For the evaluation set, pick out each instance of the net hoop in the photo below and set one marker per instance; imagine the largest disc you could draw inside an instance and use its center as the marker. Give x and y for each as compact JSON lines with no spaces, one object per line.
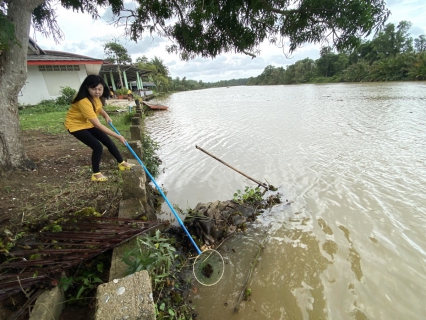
{"x":197,"y":261}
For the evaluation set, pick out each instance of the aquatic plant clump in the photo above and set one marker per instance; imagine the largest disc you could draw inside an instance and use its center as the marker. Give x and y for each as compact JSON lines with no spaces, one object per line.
{"x":207,"y":270}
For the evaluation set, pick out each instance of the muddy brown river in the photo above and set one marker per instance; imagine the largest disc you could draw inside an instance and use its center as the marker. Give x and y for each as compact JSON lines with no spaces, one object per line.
{"x":351,"y":160}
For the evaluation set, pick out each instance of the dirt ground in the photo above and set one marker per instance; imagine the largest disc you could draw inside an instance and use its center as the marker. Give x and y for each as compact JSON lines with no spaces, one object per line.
{"x":60,"y":185}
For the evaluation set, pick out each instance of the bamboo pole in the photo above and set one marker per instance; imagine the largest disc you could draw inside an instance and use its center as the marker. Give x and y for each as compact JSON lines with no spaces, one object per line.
{"x":257,"y":181}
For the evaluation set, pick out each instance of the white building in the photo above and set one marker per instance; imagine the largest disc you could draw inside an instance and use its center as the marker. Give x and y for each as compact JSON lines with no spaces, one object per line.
{"x":48,"y":71}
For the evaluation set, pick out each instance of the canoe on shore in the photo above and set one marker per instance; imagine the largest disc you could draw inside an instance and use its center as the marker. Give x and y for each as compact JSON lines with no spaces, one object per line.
{"x":155,"y":106}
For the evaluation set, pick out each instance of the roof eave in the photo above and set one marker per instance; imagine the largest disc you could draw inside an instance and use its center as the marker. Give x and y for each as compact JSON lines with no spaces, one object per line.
{"x":61,"y":62}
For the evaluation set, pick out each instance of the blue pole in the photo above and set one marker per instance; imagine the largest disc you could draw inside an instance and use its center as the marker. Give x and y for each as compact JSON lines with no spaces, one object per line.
{"x":159,"y":190}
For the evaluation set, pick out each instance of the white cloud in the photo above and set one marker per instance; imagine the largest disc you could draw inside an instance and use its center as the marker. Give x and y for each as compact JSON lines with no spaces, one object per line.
{"x":409,"y":10}
{"x":87,"y":37}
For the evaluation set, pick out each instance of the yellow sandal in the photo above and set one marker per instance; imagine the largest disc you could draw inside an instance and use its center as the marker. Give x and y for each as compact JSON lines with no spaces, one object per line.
{"x":99,"y":179}
{"x":123,"y":167}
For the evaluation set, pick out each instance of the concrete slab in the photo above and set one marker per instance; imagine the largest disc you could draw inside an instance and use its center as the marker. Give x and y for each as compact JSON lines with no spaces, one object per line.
{"x":126,"y":298}
{"x":118,"y":268}
{"x":120,"y":103}
{"x":134,"y":183}
{"x":49,"y":305}
{"x":132,"y":209}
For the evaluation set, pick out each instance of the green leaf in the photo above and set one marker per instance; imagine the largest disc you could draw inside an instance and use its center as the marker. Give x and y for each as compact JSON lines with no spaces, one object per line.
{"x":80,"y":292}
{"x":65,"y":283}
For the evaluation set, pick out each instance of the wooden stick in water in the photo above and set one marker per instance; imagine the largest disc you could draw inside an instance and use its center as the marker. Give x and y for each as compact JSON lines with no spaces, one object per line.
{"x":258,"y":182}
{"x":252,"y":267}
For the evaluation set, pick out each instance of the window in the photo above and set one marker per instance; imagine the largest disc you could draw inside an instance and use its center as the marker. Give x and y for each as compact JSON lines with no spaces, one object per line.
{"x":59,"y":67}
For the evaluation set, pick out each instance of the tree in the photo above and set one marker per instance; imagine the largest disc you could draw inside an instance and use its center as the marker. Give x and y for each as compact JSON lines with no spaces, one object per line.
{"x":324,"y":63}
{"x":271,"y":75}
{"x":418,"y":69}
{"x":210,"y":27}
{"x":304,"y":70}
{"x":357,"y":72}
{"x":116,"y":53}
{"x":392,"y":68}
{"x":392,"y":41}
{"x":364,"y":52}
{"x":330,"y":64}
{"x":159,"y":72}
{"x":142,"y":59}
{"x":13,"y":66}
{"x":12,"y":78}
{"x":160,"y":66}
{"x":290,"y":74}
{"x":205,"y":28}
{"x":7,"y":32}
{"x":420,"y":43}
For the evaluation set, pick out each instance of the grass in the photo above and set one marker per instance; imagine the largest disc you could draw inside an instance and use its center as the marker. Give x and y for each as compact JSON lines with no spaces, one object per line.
{"x":110,"y":108}
{"x":45,"y":106}
{"x":52,"y":122}
{"x":50,"y":119}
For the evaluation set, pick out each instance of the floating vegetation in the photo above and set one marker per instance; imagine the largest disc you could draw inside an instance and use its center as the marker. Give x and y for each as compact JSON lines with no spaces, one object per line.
{"x":207,"y":270}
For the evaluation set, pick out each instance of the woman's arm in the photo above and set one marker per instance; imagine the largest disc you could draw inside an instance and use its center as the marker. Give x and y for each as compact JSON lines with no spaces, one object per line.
{"x":105,"y":115}
{"x":100,"y":126}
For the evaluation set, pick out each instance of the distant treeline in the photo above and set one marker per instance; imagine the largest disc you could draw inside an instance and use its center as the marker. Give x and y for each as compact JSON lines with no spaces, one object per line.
{"x":392,"y":55}
{"x":183,"y":84}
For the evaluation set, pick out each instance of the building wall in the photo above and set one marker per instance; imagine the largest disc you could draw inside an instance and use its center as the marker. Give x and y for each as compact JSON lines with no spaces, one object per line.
{"x":44,"y":85}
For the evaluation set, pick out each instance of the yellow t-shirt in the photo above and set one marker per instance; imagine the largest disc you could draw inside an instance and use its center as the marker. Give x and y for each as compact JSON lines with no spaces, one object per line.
{"x":79,"y":114}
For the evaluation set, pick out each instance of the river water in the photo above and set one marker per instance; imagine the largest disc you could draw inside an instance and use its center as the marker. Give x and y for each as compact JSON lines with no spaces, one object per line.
{"x":350,"y":159}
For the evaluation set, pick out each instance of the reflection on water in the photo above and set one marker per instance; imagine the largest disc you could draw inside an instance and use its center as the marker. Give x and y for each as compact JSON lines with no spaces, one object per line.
{"x":351,"y":160}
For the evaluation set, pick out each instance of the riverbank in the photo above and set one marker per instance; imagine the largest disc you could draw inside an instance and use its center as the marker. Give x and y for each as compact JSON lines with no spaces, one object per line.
{"x":60,"y":185}
{"x":38,"y":201}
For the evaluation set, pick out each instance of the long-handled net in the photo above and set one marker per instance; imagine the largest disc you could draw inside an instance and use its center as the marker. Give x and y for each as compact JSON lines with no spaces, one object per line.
{"x":209,"y":266}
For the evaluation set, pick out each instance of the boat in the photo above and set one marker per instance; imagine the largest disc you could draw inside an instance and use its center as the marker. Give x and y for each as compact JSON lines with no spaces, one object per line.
{"x":155,"y":106}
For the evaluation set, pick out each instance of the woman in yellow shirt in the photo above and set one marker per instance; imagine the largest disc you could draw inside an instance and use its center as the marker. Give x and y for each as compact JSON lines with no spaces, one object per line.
{"x":83,"y":123}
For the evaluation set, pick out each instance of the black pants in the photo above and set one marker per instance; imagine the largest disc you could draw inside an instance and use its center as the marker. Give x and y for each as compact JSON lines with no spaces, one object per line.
{"x":93,"y":138}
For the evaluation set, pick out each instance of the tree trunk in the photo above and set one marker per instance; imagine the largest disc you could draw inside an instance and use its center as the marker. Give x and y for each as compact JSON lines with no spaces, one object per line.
{"x":13,"y":73}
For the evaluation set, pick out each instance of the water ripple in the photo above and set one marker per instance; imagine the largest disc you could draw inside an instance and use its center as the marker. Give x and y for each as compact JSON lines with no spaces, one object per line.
{"x":352,"y":159}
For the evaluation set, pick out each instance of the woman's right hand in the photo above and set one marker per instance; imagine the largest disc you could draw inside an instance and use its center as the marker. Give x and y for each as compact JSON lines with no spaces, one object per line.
{"x":122,"y":139}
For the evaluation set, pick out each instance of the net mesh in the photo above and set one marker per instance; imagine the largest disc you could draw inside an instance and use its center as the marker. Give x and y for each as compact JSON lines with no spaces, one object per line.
{"x":209,"y":267}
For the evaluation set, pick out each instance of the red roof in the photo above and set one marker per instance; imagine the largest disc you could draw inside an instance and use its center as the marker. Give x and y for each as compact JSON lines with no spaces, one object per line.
{"x":51,"y":57}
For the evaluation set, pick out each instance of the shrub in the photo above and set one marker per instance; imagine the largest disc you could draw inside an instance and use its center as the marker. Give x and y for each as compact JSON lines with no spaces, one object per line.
{"x":121,"y":92}
{"x":150,"y":159}
{"x":67,"y":95}
{"x":154,"y":254}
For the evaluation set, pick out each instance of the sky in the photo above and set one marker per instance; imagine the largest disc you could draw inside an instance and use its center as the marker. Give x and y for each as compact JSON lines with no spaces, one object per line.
{"x":85,"y":36}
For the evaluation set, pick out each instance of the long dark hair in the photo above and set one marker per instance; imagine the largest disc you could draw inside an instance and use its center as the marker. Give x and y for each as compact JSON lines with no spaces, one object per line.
{"x":91,"y":81}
